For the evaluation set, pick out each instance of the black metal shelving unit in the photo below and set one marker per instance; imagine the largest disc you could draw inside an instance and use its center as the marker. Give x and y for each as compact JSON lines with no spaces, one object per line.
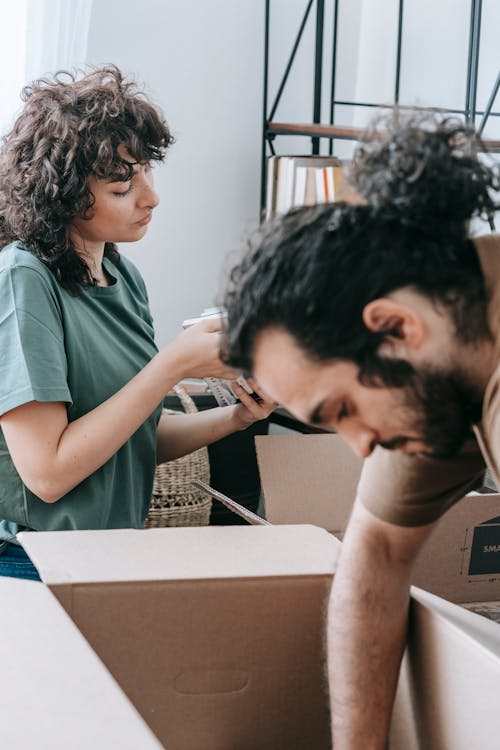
{"x":316,"y":129}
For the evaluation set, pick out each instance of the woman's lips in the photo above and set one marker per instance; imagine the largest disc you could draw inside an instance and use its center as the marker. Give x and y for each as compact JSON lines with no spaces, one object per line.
{"x":144,"y":221}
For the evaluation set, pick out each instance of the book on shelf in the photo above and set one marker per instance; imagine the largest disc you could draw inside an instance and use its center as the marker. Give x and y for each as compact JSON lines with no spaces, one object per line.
{"x":303,"y":181}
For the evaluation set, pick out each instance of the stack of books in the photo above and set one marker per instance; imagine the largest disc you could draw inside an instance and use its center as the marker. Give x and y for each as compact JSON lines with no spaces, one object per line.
{"x":303,"y":181}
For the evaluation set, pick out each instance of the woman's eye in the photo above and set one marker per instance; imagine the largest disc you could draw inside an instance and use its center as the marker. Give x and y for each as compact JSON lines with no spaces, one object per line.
{"x":123,"y":192}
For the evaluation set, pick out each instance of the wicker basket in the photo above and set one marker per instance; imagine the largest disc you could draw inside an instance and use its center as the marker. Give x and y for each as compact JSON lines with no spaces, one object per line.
{"x":175,"y":502}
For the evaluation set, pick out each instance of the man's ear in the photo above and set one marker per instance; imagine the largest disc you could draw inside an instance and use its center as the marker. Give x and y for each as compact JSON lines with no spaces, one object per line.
{"x":403,"y":328}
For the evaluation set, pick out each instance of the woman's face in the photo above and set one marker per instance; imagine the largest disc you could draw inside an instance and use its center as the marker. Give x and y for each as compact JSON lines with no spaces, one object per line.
{"x":121,"y":211}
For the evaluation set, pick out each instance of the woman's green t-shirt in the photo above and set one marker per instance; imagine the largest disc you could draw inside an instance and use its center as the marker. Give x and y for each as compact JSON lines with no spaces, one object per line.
{"x":79,"y":350}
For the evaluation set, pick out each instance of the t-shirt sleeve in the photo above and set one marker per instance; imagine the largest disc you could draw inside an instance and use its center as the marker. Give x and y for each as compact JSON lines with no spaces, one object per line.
{"x":489,"y":433}
{"x":417,"y":490}
{"x":33,"y":364}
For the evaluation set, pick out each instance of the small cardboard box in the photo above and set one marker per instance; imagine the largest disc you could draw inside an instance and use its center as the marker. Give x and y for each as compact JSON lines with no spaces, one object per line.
{"x":461,"y":559}
{"x":215,"y":634}
{"x":55,"y":694}
{"x":308,"y":479}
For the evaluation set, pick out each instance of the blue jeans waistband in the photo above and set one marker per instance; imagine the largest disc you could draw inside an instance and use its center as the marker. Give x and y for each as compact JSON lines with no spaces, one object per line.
{"x":15,"y":563}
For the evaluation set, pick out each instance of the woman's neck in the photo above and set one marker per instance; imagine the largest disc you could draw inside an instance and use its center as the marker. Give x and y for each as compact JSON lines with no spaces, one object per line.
{"x":92,"y":254}
{"x":97,"y":270}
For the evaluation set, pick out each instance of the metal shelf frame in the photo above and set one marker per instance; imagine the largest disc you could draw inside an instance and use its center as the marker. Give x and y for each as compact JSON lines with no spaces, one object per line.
{"x":316,"y":129}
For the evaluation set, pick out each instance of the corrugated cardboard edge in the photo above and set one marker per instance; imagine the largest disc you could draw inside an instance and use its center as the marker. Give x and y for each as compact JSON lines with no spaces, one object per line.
{"x":64,"y":557}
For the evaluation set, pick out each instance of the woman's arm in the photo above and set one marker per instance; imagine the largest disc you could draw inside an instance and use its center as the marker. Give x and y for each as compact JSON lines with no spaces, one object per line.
{"x":52,"y":456}
{"x":179,"y":434}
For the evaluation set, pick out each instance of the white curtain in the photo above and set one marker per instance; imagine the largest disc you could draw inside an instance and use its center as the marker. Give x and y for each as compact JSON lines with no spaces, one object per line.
{"x":12,"y":59}
{"x":40,"y":37}
{"x":56,"y":35}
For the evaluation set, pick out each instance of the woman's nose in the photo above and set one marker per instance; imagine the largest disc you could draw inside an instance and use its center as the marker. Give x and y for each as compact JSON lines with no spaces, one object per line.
{"x":150,"y":198}
{"x":147,"y":195}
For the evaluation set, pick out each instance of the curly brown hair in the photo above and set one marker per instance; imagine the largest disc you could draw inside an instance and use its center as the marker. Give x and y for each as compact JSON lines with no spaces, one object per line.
{"x":69,"y":129}
{"x":424,"y":167}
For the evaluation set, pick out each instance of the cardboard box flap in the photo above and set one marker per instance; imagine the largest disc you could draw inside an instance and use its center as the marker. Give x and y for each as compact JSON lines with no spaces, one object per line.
{"x":180,"y":553}
{"x":454,"y":672}
{"x":479,"y":629}
{"x":308,"y":479}
{"x":54,"y":691}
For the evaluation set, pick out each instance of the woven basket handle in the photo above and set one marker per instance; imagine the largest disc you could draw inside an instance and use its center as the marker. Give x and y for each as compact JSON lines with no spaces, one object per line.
{"x":187,"y":402}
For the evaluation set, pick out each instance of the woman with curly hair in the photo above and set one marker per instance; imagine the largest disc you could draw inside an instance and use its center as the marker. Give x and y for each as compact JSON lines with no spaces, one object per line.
{"x":82,"y":381}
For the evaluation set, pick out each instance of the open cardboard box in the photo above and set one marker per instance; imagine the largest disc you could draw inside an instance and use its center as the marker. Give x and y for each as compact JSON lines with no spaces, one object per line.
{"x":449,"y":679}
{"x":55,"y":694}
{"x":454,"y":679}
{"x":215,"y":634}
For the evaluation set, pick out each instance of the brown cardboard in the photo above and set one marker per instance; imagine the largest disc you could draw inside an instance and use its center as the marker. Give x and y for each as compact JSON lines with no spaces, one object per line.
{"x":453,"y":669}
{"x":216,"y":634}
{"x":461,"y":559}
{"x":308,"y":479}
{"x":54,"y":691}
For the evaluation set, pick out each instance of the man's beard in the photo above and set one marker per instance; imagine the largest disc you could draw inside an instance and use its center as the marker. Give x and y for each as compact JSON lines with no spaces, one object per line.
{"x":440,"y":407}
{"x":446,"y":407}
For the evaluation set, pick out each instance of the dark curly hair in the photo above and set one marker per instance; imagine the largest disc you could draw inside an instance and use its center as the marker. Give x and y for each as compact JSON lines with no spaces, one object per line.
{"x":70,"y":128}
{"x":313,"y":271}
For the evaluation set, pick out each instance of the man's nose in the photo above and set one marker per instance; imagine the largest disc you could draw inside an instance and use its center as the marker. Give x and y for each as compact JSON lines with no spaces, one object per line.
{"x":361,"y":439}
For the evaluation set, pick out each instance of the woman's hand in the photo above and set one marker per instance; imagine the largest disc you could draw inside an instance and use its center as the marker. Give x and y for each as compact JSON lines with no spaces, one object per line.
{"x":249,"y":410}
{"x":184,"y":433}
{"x":198,"y":351}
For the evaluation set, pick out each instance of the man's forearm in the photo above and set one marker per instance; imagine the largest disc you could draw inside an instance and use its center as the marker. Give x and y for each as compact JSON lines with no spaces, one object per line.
{"x":367,"y":623}
{"x":367,"y":631}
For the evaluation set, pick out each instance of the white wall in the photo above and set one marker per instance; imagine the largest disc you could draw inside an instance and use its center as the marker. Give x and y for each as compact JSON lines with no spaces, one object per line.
{"x":202,"y":62}
{"x":434,"y":52}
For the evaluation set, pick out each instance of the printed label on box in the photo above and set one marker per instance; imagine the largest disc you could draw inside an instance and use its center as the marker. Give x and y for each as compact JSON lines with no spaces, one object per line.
{"x":485,"y":550}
